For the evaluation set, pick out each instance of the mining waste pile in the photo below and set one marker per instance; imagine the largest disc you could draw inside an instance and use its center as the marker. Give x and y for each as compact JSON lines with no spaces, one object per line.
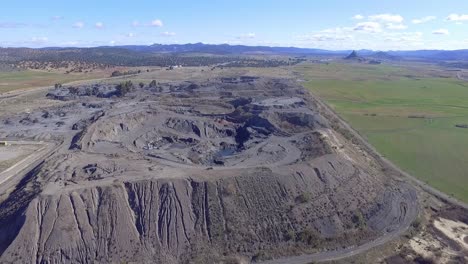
{"x":234,"y":168}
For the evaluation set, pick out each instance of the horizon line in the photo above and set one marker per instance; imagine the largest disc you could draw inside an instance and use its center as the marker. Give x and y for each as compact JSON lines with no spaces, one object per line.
{"x":221,"y":44}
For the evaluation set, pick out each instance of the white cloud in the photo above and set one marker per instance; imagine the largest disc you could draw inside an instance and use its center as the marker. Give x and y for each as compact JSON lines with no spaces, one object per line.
{"x":441,"y":31}
{"x":12,"y":25}
{"x":457,"y":17}
{"x":70,"y":43}
{"x":156,"y":23}
{"x":39,"y":40}
{"x":78,"y":24}
{"x":423,"y":19}
{"x":130,"y":35}
{"x":389,"y":18}
{"x":358,"y":17}
{"x":250,"y":35}
{"x":153,"y":23}
{"x":327,"y":35}
{"x":168,"y":34}
{"x":369,"y":27}
{"x":99,"y":25}
{"x":395,"y":26}
{"x":57,"y":18}
{"x":402,"y":41}
{"x":247,"y":36}
{"x":320,"y":37}
{"x":112,"y":42}
{"x":337,"y":30}
{"x":403,"y":37}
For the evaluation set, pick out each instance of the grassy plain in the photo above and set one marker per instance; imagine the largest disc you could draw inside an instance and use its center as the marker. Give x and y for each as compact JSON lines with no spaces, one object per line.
{"x":408,"y":113}
{"x":25,"y":79}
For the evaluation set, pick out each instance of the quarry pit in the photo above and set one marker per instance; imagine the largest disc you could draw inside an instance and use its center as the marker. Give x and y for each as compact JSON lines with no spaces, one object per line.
{"x":226,"y":167}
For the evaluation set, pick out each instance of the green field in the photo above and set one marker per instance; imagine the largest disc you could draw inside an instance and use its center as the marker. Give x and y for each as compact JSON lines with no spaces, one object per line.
{"x":408,"y":116}
{"x":14,"y":80}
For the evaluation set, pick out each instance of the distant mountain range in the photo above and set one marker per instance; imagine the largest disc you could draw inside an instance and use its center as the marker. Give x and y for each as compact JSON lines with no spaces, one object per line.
{"x":225,"y":49}
{"x":221,"y":49}
{"x":433,"y":54}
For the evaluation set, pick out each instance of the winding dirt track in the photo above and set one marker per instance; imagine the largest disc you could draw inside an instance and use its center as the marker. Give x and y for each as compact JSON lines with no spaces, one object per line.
{"x":409,"y":218}
{"x":411,"y":214}
{"x":371,"y":150}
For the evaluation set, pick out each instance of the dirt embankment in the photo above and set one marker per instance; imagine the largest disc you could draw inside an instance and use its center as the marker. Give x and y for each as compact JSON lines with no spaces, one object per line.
{"x":173,"y":220}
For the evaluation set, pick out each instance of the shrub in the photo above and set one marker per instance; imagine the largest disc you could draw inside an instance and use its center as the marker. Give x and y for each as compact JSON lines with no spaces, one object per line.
{"x":123,"y":88}
{"x":303,"y":198}
{"x":289,"y":235}
{"x":308,"y":236}
{"x":358,"y":219}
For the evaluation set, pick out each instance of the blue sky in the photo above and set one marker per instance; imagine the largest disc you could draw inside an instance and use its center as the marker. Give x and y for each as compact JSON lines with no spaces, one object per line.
{"x":331,"y":24}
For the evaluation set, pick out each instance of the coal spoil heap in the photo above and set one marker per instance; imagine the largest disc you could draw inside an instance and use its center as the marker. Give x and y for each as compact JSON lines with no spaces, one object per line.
{"x":225,"y":169}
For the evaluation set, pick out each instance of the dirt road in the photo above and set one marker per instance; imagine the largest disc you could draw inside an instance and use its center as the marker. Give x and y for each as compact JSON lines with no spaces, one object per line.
{"x":409,"y":218}
{"x":352,"y":251}
{"x":13,"y":173}
{"x":371,"y":150}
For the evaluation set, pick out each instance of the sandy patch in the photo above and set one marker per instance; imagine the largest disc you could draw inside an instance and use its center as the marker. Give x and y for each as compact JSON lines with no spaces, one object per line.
{"x":335,"y":143}
{"x":456,"y":231}
{"x":424,"y":247}
{"x":430,"y":247}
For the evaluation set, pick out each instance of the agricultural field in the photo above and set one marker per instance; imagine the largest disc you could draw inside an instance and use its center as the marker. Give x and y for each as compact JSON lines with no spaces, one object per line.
{"x":408,"y":114}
